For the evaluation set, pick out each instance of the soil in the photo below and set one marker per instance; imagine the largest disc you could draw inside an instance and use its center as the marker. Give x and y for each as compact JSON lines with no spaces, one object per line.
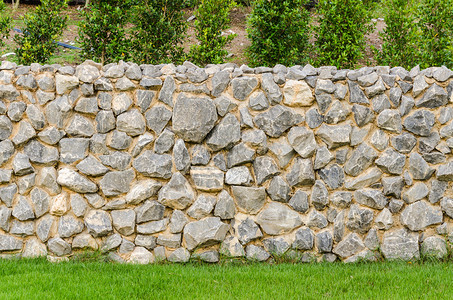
{"x":236,"y":48}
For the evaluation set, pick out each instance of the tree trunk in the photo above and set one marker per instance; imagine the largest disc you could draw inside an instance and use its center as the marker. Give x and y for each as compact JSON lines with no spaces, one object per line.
{"x":15,"y":4}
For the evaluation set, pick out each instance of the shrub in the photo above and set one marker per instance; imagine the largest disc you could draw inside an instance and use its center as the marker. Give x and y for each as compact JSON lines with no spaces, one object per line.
{"x":436,"y":32}
{"x":102,"y":33}
{"x":212,"y":18}
{"x":399,"y":36}
{"x":42,"y":28}
{"x":4,"y":24}
{"x":340,"y":35}
{"x":159,"y":31}
{"x":278,"y":31}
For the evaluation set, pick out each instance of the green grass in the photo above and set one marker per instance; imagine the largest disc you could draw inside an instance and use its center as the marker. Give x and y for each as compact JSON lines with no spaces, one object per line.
{"x":39,"y":279}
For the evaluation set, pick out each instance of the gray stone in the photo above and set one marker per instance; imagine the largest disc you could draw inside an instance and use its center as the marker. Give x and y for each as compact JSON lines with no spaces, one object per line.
{"x":34,"y":248}
{"x":447,"y":206}
{"x":40,"y":200}
{"x":276,"y":246}
{"x":86,"y":73}
{"x":23,"y":135}
{"x":117,"y":182}
{"x":245,"y":229}
{"x":48,"y":179}
{"x":200,"y":155}
{"x":22,"y":229}
{"x":258,"y":101}
{"x":239,"y":154}
{"x":167,"y":91}
{"x":193,"y":118}
{"x":23,"y":211}
{"x":92,"y":167}
{"x":264,"y":168}
{"x":420,"y":122}
{"x":143,"y":141}
{"x":5,"y":215}
{"x":8,"y":92}
{"x":132,"y":122}
{"x":58,"y":246}
{"x":225,"y":207}
{"x":379,"y":140}
{"x":313,"y":118}
{"x":419,"y":168}
{"x":299,"y":201}
{"x":360,"y":160}
{"x":21,"y":165}
{"x":324,"y":242}
{"x":202,"y":207}
{"x":341,"y":199}
{"x":164,"y":142}
{"x":437,"y":190}
{"x":208,"y":256}
{"x":356,"y":95}
{"x":98,"y":223}
{"x":324,"y":100}
{"x":380,"y":103}
{"x":246,"y":118}
{"x":224,"y":105}
{"x":51,"y":135}
{"x":231,"y":247}
{"x":105,"y":121}
{"x":225,"y":134}
{"x":124,"y":221}
{"x":177,"y":221}
{"x":283,"y":151}
{"x":400,"y":244}
{"x":181,"y":156}
{"x":78,"y":204}
{"x":141,"y":256}
{"x":319,"y":196}
{"x":26,"y":183}
{"x":446,"y":114}
{"x":95,"y":200}
{"x":393,"y":186}
{"x":205,"y":232}
{"x":404,"y":143}
{"x":434,"y":97}
{"x":249,"y":199}
{"x":391,"y":162}
{"x":384,"y":220}
{"x":407,"y":103}
{"x":359,"y":220}
{"x":118,"y":140}
{"x":44,"y":227}
{"x":334,"y":135}
{"x":69,"y":226}
{"x":323,"y":158}
{"x":209,"y":179}
{"x":301,"y":173}
{"x":256,"y":253}
{"x":277,"y":219}
{"x":371,"y":198}
{"x":219,"y":82}
{"x":6,"y":151}
{"x":416,"y":192}
{"x":196,"y":75}
{"x":36,"y":117}
{"x":153,"y":165}
{"x":238,"y":176}
{"x":271,"y":89}
{"x":9,"y":243}
{"x":276,"y":120}
{"x":5,"y":175}
{"x":243,"y":86}
{"x":303,"y":141}
{"x":177,"y":193}
{"x":157,"y":118}
{"x":147,"y":241}
{"x":351,"y":245}
{"x":337,"y":113}
{"x":304,"y":239}
{"x":73,"y":149}
{"x":390,"y":120}
{"x":180,"y":255}
{"x":87,"y":106}
{"x":41,"y":154}
{"x":419,"y":85}
{"x":80,"y":126}
{"x":124,"y":84}
{"x":279,"y":190}
{"x":144,"y":99}
{"x":317,"y":220}
{"x":75,"y":182}
{"x":103,"y":84}
{"x":121,"y":103}
{"x":434,"y":247}
{"x":419,"y":215}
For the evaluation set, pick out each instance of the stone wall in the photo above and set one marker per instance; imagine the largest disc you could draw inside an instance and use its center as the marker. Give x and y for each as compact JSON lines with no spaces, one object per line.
{"x":164,"y":162}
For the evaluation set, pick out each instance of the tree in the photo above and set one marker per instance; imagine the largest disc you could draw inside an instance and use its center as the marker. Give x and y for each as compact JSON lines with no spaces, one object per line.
{"x":5,"y":21}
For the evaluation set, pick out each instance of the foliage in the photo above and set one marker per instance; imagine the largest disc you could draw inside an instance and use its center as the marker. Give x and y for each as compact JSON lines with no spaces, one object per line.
{"x":102,"y":32}
{"x":159,"y":30}
{"x":436,"y":32}
{"x":42,"y":27}
{"x":340,"y":35}
{"x":400,"y":35}
{"x":279,"y":33}
{"x":212,"y":18}
{"x":5,"y":21}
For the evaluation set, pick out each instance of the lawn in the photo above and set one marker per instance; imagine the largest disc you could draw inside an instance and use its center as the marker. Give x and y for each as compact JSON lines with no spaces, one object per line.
{"x":38,"y":279}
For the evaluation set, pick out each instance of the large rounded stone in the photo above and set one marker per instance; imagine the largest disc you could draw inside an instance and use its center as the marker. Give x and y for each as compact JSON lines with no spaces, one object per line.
{"x":205,"y":232}
{"x":278,"y":219}
{"x":98,"y":223}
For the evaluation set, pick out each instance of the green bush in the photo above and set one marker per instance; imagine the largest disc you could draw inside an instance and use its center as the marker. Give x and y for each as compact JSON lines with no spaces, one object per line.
{"x":159,"y":30}
{"x":102,"y":32}
{"x":212,"y":18}
{"x":42,"y":28}
{"x":279,"y":33}
{"x":5,"y":21}
{"x":436,"y":33}
{"x":340,"y":35}
{"x":399,"y":36}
